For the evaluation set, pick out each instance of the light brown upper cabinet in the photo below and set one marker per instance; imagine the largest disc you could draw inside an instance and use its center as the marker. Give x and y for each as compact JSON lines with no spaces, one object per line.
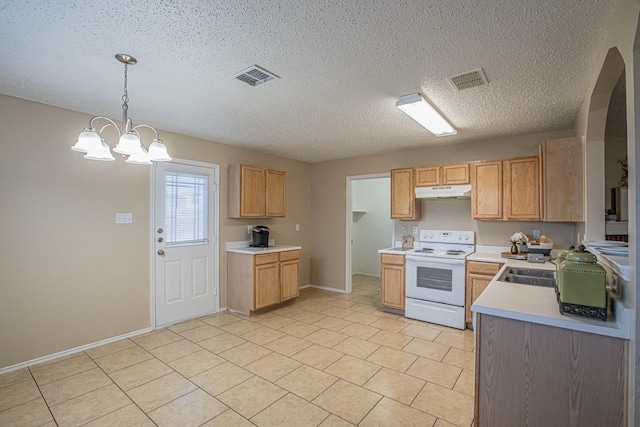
{"x":255,"y":192}
{"x":455,"y":174}
{"x":451,"y":174}
{"x":403,"y":195}
{"x":562,"y":180}
{"x":428,"y":176}
{"x":521,"y":184}
{"x":506,"y":189}
{"x":486,"y":193}
{"x":275,"y":193}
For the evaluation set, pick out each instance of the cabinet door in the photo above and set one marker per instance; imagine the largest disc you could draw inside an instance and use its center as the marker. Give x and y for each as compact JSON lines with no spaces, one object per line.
{"x":486,"y":195}
{"x":522,"y":188}
{"x":289,"y":272}
{"x":428,"y":176}
{"x":474,"y":287}
{"x":403,"y":196}
{"x":562,"y":180}
{"x":275,"y":193}
{"x":252,"y":191}
{"x":392,"y":282}
{"x":455,"y":174}
{"x":266,"y":285}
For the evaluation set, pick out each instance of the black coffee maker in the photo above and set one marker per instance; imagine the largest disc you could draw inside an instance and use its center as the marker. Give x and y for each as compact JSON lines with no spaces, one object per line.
{"x":260,"y":234}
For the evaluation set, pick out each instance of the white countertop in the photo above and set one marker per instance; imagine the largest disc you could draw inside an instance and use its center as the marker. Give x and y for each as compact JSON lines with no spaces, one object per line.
{"x":486,"y":257}
{"x":243,"y":248}
{"x":395,"y":251}
{"x":537,"y":304}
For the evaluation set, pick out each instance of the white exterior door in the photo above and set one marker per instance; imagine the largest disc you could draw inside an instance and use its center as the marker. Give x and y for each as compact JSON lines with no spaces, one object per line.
{"x":185,"y":241}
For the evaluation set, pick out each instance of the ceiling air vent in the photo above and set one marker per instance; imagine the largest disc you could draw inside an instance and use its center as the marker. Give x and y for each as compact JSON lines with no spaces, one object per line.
{"x":468,"y":79}
{"x":255,"y":75}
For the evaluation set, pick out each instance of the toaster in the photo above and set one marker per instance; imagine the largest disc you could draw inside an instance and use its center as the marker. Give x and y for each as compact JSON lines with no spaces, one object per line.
{"x":582,"y":285}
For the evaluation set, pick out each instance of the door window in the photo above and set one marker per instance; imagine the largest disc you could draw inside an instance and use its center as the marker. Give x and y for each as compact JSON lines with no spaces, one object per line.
{"x":186,"y":208}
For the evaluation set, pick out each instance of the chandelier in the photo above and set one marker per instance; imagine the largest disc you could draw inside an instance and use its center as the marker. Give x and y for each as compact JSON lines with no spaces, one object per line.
{"x":92,"y":142}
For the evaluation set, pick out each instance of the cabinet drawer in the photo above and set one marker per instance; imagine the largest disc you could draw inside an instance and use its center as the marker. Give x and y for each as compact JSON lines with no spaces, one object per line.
{"x":266,"y":258}
{"x":289,"y":255}
{"x":484,"y":268}
{"x":393,"y":259}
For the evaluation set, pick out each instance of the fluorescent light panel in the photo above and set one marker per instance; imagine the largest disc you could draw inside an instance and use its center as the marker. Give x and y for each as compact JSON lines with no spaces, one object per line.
{"x":422,"y":112}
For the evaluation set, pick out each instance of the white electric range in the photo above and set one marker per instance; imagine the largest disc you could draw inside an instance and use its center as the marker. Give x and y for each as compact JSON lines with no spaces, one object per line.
{"x":435,"y":277}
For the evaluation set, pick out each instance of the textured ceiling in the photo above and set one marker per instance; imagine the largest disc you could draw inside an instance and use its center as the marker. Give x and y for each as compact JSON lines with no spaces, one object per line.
{"x":342,"y":63}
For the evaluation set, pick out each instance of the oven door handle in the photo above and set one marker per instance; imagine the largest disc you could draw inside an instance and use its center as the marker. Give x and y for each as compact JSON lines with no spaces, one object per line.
{"x":435,"y":260}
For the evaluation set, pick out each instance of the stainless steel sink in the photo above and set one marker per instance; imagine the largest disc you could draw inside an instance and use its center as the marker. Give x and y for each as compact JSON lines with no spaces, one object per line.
{"x":529,"y":276}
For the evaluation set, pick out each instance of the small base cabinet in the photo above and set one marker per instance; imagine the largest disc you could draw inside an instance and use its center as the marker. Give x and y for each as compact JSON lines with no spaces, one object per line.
{"x":479,"y":274}
{"x":255,"y":282}
{"x":537,"y":375}
{"x":392,"y":284}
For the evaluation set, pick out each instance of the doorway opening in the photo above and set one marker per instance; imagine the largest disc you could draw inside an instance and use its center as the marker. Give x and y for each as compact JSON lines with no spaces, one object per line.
{"x":184,"y":246}
{"x":369,"y":228}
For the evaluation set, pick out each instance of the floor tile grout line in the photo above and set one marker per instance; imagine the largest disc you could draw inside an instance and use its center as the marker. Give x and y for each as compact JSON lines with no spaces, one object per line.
{"x":42,"y":396}
{"x":123,"y":391}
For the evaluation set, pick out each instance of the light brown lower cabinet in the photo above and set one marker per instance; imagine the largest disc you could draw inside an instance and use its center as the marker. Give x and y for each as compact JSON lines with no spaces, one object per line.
{"x":258,"y":281}
{"x":479,"y":274}
{"x":392,"y":284}
{"x":537,"y":375}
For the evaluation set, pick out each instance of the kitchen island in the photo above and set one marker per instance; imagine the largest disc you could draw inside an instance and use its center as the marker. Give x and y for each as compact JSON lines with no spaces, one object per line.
{"x":537,"y":367}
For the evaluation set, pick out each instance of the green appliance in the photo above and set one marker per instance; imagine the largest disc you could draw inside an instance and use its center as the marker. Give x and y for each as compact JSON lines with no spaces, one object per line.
{"x":582,"y":285}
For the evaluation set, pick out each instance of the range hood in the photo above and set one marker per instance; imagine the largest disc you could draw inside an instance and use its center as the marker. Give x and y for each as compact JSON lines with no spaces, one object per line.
{"x":444,"y":192}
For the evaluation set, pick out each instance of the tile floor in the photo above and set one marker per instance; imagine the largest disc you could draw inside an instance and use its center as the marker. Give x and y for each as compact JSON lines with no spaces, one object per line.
{"x":328,"y":359}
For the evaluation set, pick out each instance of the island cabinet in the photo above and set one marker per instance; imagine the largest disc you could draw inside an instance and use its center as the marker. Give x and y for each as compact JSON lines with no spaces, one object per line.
{"x":528,"y":374}
{"x":255,"y":282}
{"x":255,"y":192}
{"x":449,"y":174}
{"x":479,"y":274}
{"x":506,"y":189}
{"x":392,"y":277}
{"x":562,"y":180}
{"x":403,"y":195}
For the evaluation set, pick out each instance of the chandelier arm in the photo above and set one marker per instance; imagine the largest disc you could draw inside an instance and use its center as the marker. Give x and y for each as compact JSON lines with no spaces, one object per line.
{"x":145,"y":126}
{"x":110,"y":123}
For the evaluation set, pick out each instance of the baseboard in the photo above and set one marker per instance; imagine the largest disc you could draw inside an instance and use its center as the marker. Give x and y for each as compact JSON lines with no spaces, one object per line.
{"x":325,"y":288}
{"x":72,"y":351}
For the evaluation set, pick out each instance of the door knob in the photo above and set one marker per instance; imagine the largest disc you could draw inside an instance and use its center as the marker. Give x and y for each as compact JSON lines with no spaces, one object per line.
{"x":160,"y":252}
{"x":160,"y":230}
{"x":160,"y":240}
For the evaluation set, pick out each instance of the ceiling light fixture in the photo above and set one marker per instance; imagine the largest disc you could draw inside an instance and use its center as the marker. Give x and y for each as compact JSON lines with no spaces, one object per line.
{"x":93,"y":143}
{"x":422,"y":112}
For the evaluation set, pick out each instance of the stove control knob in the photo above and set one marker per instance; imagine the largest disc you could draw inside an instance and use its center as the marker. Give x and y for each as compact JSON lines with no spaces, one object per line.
{"x":459,"y":236}
{"x":431,"y":236}
{"x":466,"y":237}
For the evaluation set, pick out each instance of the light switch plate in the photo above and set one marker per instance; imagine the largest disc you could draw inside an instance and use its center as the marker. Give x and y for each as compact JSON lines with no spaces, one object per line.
{"x":414,"y":229}
{"x":124,"y":218}
{"x":297,"y":227}
{"x":536,"y":234}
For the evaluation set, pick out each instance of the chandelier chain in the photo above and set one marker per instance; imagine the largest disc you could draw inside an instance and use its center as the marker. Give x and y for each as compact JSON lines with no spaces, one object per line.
{"x":125,"y":97}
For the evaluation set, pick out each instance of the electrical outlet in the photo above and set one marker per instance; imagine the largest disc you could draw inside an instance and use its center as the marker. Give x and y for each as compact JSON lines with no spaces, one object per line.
{"x":404,"y":229}
{"x":249,"y":229}
{"x":536,"y":234}
{"x":124,"y":218}
{"x":414,"y":229}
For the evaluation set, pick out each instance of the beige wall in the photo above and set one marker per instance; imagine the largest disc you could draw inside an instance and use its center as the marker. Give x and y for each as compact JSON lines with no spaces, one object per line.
{"x":328,"y":204}
{"x":71,"y":276}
